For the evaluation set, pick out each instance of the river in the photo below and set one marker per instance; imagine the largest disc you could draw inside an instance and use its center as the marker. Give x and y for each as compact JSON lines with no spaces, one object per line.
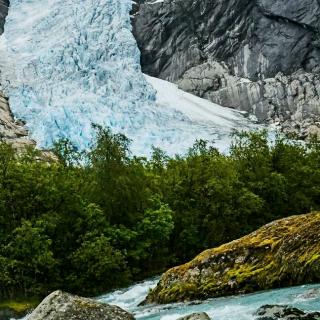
{"x":239,"y":307}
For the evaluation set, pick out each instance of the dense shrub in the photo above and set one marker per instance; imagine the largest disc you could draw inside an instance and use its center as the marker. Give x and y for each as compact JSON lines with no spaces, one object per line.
{"x":93,"y":221}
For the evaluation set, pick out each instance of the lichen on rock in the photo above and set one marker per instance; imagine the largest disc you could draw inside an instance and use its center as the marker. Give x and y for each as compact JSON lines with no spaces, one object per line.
{"x":61,"y":306}
{"x":282,"y":253}
{"x":196,"y":316}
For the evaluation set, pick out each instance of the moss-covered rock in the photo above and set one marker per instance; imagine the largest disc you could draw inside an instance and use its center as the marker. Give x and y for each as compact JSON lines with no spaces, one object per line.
{"x":283,"y":253}
{"x":16,"y":309}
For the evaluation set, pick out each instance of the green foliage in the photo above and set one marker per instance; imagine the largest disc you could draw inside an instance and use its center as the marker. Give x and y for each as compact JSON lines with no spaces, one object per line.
{"x":157,"y":224}
{"x":98,"y":263}
{"x":90,"y":222}
{"x":28,"y":262}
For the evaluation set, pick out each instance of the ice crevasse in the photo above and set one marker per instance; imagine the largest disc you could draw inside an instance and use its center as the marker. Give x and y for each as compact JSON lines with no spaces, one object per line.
{"x":66,"y":64}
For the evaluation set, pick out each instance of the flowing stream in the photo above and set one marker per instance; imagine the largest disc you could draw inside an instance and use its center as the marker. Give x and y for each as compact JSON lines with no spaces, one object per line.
{"x":239,"y":307}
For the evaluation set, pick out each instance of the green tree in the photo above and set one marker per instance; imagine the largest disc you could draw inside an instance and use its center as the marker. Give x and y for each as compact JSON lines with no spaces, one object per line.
{"x":98,"y":263}
{"x":31,"y":263}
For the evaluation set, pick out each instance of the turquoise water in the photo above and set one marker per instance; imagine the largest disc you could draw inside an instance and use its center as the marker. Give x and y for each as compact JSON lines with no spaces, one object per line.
{"x":229,"y":308}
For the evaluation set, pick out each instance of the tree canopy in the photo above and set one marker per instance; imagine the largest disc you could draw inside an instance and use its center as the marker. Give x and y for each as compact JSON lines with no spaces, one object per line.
{"x":89,"y":222}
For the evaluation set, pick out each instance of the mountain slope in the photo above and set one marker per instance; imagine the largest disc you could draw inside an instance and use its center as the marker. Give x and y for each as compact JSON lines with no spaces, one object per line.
{"x":208,"y":48}
{"x":4,"y":5}
{"x":73,"y":63}
{"x":254,"y":38}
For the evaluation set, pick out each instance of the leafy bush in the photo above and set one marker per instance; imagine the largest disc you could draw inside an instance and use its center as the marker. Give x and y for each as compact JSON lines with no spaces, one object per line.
{"x":90,"y":222}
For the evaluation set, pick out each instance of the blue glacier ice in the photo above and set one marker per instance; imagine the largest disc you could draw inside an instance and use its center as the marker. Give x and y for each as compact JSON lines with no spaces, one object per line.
{"x":66,"y":64}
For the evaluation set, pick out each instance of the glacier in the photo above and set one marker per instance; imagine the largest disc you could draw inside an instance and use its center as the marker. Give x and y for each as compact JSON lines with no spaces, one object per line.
{"x":68,"y":64}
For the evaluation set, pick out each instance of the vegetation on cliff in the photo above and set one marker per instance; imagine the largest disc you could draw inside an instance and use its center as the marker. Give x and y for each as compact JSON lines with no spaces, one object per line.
{"x":91,"y":222}
{"x":285,"y":252}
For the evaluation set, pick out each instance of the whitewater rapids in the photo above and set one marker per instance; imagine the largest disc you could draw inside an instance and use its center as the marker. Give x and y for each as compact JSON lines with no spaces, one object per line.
{"x":239,"y":307}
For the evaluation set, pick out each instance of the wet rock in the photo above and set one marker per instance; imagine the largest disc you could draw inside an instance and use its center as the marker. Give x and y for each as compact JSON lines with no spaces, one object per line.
{"x":275,"y":312}
{"x":310,"y":294}
{"x":283,"y":253}
{"x":63,"y":306}
{"x":196,"y":316}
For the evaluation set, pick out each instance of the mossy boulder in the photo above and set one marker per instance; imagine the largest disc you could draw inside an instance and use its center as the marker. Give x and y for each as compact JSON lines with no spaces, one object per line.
{"x":283,"y":253}
{"x":63,"y":306}
{"x":16,"y":309}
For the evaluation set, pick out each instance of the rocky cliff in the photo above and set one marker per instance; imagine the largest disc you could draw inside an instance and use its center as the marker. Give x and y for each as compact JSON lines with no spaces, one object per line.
{"x":259,"y":56}
{"x":4,"y":5}
{"x":283,"y":253}
{"x":11,"y":130}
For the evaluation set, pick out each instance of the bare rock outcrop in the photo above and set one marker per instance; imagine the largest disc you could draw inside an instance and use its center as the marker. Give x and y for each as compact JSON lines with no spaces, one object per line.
{"x":259,"y":56}
{"x":12,"y":131}
{"x":196,"y":316}
{"x":291,"y":102}
{"x":63,"y":306}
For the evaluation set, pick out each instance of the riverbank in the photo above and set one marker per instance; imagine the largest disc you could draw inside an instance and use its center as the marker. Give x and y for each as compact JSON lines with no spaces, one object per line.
{"x":17,"y":308}
{"x":238,"y":307}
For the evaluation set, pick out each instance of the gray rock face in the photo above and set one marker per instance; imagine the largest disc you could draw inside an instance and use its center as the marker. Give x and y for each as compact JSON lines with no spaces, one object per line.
{"x":284,"y":100}
{"x":254,"y":38}
{"x":12,"y":131}
{"x":260,"y":56}
{"x":4,"y":5}
{"x":196,"y":316}
{"x":275,"y":312}
{"x":63,"y":306}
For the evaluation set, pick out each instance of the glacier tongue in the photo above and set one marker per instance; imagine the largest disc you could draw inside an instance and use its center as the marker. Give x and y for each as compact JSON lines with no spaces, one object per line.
{"x":66,"y":64}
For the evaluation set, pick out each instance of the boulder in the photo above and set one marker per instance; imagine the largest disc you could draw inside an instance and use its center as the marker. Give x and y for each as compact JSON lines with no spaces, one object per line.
{"x":275,"y":312}
{"x":310,"y":294}
{"x":63,"y":306}
{"x":16,"y":309}
{"x":283,"y":253}
{"x":196,"y":316}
